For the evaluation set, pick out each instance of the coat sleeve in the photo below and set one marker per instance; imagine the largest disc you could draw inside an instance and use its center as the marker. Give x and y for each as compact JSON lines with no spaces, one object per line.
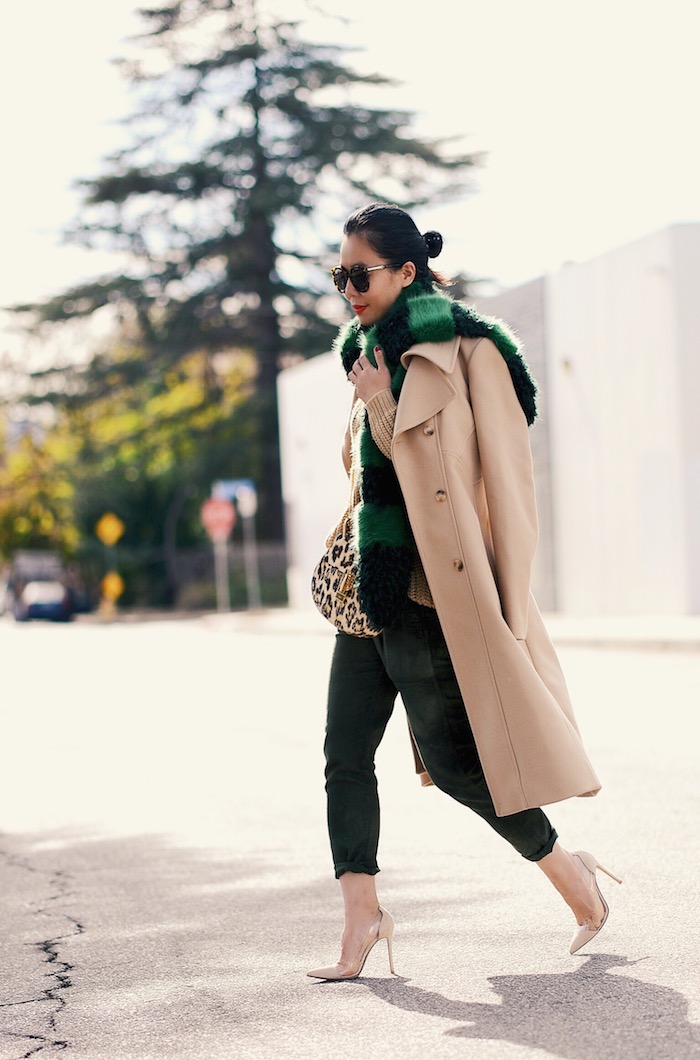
{"x":506,"y":462}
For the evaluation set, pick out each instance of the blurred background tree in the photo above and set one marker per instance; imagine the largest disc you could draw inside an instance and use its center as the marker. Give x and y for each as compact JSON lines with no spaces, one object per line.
{"x":37,"y":493}
{"x":249,"y":145}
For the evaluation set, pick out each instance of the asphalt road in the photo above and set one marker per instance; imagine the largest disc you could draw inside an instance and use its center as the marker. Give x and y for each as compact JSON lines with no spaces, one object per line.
{"x":165,"y":880}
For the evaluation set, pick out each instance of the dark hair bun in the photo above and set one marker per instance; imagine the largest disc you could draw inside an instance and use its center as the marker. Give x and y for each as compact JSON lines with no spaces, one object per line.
{"x":433,"y":241}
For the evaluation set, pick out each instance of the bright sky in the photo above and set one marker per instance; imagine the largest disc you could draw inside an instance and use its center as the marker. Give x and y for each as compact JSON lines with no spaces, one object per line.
{"x":588,"y":112}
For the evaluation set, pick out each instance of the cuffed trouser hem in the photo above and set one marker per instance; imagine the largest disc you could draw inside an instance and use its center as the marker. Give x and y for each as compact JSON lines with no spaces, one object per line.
{"x":355,"y":866}
{"x":546,"y":849}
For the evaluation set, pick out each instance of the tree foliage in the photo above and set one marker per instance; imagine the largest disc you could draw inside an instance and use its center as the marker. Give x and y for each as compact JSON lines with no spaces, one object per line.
{"x":248,"y":145}
{"x":138,"y":450}
{"x":37,"y":493}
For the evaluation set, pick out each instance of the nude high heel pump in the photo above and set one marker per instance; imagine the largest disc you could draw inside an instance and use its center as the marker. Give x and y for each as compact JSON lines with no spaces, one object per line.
{"x":383,"y":930}
{"x":584,"y":932}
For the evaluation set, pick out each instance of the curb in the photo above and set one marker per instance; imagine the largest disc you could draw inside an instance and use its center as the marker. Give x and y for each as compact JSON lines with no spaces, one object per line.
{"x":633,"y":632}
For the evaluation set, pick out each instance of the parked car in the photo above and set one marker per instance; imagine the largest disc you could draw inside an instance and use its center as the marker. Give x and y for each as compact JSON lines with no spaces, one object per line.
{"x":44,"y":599}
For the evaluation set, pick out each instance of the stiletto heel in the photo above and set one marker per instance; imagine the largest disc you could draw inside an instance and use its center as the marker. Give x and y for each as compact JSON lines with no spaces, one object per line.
{"x":608,"y":873}
{"x":390,"y":949}
{"x":385,"y":930}
{"x":584,"y":932}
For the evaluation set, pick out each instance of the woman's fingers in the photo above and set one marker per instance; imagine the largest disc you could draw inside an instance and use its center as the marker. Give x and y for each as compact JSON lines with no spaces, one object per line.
{"x":360,"y":365}
{"x":364,"y":369}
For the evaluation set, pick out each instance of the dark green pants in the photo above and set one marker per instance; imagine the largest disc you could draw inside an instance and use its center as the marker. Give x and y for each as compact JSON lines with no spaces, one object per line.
{"x":366,"y":675}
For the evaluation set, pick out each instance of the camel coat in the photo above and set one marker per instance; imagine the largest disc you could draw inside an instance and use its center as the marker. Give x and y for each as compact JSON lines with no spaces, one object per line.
{"x":462,"y":456}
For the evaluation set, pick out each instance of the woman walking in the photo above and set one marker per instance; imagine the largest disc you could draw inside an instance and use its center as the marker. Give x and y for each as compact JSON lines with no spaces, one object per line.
{"x":445,"y":524}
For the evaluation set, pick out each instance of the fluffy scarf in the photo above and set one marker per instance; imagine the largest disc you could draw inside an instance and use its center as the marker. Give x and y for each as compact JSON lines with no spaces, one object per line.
{"x":384,"y":541}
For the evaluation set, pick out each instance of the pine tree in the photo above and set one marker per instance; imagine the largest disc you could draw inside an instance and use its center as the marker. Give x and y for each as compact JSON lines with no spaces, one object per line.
{"x":249,"y":143}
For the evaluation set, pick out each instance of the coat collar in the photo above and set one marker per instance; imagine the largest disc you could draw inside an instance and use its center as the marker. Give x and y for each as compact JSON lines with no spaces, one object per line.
{"x":442,"y":354}
{"x":426,"y":389}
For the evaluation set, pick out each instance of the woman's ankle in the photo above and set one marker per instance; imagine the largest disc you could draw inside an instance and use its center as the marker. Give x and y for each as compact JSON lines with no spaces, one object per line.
{"x":359,"y":892}
{"x":564,"y":874}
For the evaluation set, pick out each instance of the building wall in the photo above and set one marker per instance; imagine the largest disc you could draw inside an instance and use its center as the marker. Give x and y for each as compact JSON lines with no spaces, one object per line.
{"x":621,"y":513}
{"x":685,"y":256}
{"x":314,"y":403}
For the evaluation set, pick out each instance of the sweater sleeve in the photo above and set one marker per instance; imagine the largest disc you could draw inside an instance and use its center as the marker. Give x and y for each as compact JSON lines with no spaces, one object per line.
{"x":381,"y":410}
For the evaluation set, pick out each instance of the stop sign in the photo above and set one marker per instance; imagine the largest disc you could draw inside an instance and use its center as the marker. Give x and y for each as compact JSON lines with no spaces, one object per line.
{"x":218,"y":518}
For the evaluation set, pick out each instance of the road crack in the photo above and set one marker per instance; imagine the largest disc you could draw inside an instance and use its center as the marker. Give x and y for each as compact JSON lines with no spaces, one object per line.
{"x":53,"y":999}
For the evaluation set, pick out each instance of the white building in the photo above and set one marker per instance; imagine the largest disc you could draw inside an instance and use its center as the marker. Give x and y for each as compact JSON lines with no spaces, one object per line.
{"x":615,"y":346}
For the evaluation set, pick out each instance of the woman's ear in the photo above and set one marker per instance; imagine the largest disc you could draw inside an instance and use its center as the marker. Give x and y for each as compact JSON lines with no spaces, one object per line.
{"x":408,"y":272}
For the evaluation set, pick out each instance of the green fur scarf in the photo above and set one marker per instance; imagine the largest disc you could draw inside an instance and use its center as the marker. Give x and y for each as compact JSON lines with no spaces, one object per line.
{"x":386,"y":548}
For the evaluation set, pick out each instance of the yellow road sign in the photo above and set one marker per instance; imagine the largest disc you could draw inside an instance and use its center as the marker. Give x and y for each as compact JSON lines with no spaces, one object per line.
{"x":112,"y":586}
{"x":109,"y":529}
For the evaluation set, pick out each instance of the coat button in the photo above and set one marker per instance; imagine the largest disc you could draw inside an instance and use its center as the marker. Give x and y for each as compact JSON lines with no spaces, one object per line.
{"x":458,"y":565}
{"x":440,"y":495}
{"x":428,"y":430}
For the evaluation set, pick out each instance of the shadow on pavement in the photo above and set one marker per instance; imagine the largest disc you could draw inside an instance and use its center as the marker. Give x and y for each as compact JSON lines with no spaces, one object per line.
{"x":582,"y":1015}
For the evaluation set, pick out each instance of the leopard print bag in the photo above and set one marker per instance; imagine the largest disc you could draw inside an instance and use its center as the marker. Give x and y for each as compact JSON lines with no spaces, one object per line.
{"x":334,"y":584}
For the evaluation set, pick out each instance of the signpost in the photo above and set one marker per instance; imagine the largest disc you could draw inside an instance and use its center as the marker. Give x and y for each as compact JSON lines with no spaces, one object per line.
{"x":218,"y":517}
{"x":242,"y":491}
{"x":109,"y":528}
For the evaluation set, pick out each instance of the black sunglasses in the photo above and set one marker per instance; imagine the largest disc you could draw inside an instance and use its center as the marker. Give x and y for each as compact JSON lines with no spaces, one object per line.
{"x":358,"y":276}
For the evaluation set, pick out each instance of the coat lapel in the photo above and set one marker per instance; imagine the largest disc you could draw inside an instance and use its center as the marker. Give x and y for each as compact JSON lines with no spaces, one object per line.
{"x":426,"y":389}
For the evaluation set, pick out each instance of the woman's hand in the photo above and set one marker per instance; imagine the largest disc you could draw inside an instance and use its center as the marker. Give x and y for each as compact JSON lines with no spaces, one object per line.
{"x":369,"y":380}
